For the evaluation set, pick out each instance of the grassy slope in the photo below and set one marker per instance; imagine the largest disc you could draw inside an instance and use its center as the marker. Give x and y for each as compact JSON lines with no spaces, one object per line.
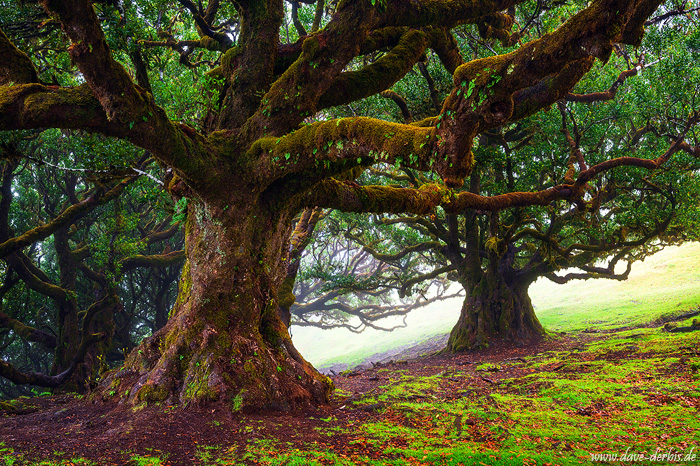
{"x":666,"y":283}
{"x":633,"y":391}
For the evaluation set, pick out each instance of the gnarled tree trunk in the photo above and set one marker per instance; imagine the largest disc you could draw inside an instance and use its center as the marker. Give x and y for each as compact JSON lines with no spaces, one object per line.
{"x":224,"y":339}
{"x":496,"y":307}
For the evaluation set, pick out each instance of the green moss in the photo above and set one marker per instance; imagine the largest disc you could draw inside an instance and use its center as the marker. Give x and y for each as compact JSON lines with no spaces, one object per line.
{"x":380,"y":75}
{"x":250,"y":368}
{"x":327,"y":140}
{"x":210,"y":44}
{"x":197,"y":387}
{"x":17,"y":67}
{"x":285,"y":295}
{"x":311,"y":45}
{"x":228,"y":58}
{"x":152,"y":393}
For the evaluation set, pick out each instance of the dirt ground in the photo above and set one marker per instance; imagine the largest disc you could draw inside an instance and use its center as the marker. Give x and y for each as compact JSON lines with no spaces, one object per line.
{"x":110,"y":434}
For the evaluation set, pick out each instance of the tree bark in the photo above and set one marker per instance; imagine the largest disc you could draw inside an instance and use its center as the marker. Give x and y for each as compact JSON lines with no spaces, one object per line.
{"x":495,"y":308}
{"x":224,"y":339}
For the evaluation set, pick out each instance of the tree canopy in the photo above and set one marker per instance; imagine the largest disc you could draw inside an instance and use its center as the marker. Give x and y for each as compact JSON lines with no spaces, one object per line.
{"x":234,"y":100}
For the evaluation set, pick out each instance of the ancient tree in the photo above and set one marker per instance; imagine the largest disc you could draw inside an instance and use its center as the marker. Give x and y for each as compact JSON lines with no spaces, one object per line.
{"x":255,"y":159}
{"x":635,"y":103}
{"x":494,"y":256}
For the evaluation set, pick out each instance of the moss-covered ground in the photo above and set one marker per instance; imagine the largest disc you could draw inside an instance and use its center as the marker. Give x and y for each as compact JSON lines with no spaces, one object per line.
{"x":562,"y":401}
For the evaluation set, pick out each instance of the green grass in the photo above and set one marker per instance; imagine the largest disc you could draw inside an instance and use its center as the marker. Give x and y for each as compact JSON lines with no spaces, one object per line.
{"x":635,"y":389}
{"x":557,"y":418}
{"x":324,"y":348}
{"x":665,"y":284}
{"x":138,"y":460}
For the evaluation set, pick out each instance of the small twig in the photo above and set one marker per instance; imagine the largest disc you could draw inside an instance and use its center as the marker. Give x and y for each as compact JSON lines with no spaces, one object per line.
{"x":141,"y":172}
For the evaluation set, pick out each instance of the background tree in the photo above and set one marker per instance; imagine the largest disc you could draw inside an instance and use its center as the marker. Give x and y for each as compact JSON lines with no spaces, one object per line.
{"x":342,"y":285}
{"x":252,"y":164}
{"x":66,"y":244}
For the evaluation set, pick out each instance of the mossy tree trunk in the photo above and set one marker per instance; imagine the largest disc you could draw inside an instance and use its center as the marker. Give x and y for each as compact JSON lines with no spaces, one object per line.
{"x":497,"y":304}
{"x":495,"y":308}
{"x":224,"y":339}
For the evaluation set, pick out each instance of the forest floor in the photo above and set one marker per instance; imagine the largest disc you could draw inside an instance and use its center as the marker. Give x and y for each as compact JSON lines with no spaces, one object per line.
{"x":562,"y":400}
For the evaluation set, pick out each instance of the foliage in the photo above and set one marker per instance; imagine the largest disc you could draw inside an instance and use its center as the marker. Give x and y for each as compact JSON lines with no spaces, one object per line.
{"x":88,"y":260}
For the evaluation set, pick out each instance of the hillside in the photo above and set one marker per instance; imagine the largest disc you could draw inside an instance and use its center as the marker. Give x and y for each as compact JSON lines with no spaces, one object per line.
{"x":571,"y":400}
{"x":665,"y":284}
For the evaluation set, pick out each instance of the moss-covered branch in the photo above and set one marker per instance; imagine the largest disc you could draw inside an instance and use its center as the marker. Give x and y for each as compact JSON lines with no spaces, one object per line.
{"x":445,"y":13}
{"x":109,"y":80}
{"x":489,"y":92}
{"x":34,"y":278}
{"x":155,"y":260}
{"x":68,"y":216}
{"x":203,"y":21}
{"x":485,"y":88}
{"x":300,"y":239}
{"x":355,"y":198}
{"x":33,"y":106}
{"x":349,"y":141}
{"x":379,"y":75}
{"x":249,"y":67}
{"x":127,"y":111}
{"x":27,"y":332}
{"x":295,"y":95}
{"x":16,"y":67}
{"x":325,"y":54}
